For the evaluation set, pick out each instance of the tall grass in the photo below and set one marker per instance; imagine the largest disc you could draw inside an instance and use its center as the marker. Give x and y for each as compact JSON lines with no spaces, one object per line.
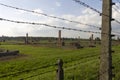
{"x":80,"y":64}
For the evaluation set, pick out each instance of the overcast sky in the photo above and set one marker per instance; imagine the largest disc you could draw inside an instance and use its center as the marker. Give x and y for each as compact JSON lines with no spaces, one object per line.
{"x":62,"y":8}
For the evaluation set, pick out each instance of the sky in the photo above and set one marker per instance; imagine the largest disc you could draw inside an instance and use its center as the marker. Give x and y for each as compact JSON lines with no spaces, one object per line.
{"x":67,"y":9}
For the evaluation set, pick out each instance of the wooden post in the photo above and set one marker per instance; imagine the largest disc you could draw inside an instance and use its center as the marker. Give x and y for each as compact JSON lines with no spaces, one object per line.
{"x":60,"y":72}
{"x":106,"y":56}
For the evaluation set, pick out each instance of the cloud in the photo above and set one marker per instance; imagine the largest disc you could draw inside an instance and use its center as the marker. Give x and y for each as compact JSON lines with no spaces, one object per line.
{"x":21,"y":29}
{"x":87,"y":17}
{"x":19,"y":12}
{"x":39,"y":11}
{"x":58,"y":4}
{"x":91,"y":18}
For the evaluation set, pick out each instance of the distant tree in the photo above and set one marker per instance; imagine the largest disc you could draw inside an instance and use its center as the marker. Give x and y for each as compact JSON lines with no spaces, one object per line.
{"x":97,"y":39}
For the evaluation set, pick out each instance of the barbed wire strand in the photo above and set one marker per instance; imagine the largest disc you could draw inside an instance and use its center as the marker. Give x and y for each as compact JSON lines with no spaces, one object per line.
{"x":44,"y":14}
{"x":66,"y":68}
{"x":116,"y":32}
{"x":117,"y":6}
{"x":95,"y":10}
{"x":36,"y":75}
{"x":116,"y":10}
{"x":45,"y":66}
{"x":28,"y":70}
{"x":77,"y":64}
{"x":82,"y":3}
{"x":52,"y":26}
{"x":87,"y":6}
{"x":33,"y":23}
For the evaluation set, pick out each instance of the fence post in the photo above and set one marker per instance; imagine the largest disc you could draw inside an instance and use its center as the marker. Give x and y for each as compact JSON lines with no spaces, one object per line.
{"x":59,"y":39}
{"x":106,"y":54}
{"x":60,"y":72}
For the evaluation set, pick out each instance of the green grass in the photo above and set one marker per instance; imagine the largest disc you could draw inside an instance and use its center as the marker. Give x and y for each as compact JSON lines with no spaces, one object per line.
{"x":82,"y":64}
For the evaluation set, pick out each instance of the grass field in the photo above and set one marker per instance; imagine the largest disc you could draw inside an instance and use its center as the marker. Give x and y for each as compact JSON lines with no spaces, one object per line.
{"x":39,"y":63}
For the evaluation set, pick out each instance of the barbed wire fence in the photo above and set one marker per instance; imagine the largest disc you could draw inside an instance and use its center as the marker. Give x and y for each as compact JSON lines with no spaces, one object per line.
{"x":60,"y":27}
